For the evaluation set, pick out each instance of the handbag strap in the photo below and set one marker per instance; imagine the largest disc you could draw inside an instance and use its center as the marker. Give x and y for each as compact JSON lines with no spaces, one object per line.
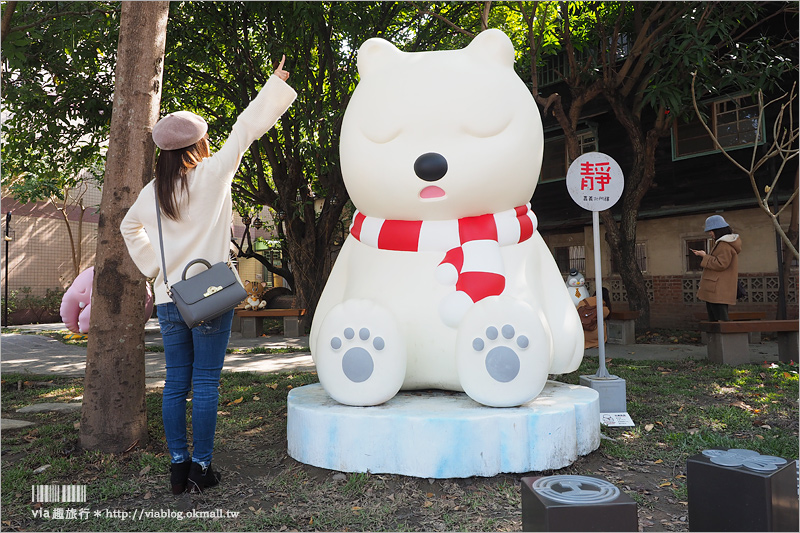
{"x":161,"y":244}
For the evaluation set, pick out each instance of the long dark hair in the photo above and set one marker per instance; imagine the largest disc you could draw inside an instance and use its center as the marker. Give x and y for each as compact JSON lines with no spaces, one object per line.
{"x":719,"y":232}
{"x":172,"y":167}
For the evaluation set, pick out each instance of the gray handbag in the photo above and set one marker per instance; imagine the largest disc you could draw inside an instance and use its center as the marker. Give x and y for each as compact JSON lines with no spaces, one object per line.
{"x":206,"y":295}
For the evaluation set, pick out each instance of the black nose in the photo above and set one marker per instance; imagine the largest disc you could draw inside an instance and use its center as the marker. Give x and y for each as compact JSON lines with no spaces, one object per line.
{"x":430,"y":166}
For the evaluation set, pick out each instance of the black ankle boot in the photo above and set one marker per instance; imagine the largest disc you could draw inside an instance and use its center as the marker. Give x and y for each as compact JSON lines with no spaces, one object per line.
{"x":179,"y":474}
{"x":201,"y":479}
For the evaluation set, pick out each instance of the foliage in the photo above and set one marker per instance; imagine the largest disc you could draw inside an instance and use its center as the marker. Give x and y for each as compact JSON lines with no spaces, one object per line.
{"x":57,"y":84}
{"x":219,"y":55}
{"x":639,"y":58}
{"x":23,"y":298}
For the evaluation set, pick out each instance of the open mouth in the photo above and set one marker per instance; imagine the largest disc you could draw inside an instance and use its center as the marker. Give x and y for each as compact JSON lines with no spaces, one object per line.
{"x":431,"y":192}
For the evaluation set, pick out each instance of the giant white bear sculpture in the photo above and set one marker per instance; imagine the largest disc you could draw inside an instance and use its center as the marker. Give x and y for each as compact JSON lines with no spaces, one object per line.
{"x":444,"y":281}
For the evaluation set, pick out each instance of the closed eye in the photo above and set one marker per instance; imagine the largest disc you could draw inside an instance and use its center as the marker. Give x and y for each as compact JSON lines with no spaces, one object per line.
{"x":380,"y":133}
{"x":483,"y":125}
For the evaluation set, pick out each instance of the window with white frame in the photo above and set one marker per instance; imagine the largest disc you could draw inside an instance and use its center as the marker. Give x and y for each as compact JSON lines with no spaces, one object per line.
{"x":734,"y":122}
{"x":554,"y":162}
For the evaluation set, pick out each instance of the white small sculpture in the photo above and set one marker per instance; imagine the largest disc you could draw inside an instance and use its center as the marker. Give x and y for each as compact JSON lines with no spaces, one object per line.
{"x":576,"y":283}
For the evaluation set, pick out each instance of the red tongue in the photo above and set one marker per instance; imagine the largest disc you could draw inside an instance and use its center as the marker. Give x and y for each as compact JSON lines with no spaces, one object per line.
{"x":431,"y":191}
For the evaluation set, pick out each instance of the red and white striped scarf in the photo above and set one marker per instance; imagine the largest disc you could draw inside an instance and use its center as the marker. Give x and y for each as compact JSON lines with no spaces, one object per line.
{"x":472,"y":259}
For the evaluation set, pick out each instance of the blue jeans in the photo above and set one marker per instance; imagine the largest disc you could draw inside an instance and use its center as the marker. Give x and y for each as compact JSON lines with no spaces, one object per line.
{"x":194,"y":360}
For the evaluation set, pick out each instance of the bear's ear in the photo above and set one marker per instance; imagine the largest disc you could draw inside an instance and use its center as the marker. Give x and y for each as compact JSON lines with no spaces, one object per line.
{"x":493,"y":45}
{"x":375,"y":54}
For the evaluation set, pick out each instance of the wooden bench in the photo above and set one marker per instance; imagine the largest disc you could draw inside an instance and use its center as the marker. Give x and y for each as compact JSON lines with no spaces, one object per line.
{"x":728,"y":341}
{"x":251,"y":322}
{"x":622,"y":327}
{"x":755,"y":336}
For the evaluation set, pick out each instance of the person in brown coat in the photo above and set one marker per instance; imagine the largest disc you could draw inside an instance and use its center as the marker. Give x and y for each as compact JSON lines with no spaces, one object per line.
{"x":720,"y":269}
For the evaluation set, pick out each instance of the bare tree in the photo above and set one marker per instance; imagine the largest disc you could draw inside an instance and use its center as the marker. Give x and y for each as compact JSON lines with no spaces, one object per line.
{"x":783,"y":147}
{"x":114,"y":417}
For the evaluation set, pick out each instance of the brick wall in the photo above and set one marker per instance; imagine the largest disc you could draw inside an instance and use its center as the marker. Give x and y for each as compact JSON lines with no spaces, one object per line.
{"x":673,"y":302}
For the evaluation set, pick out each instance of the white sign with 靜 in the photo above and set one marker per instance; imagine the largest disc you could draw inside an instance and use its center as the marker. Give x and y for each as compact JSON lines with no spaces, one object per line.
{"x":595,"y":181}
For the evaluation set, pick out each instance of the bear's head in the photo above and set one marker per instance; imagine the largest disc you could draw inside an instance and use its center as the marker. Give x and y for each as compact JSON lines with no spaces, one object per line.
{"x":440,"y":135}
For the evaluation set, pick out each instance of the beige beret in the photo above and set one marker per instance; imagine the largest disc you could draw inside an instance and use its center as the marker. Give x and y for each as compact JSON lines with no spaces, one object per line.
{"x":179,"y":130}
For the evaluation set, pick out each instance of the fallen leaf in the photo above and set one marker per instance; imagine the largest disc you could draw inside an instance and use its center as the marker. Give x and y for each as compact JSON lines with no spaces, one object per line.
{"x":237,"y":401}
{"x":427,"y":503}
{"x":658,"y":461}
{"x":144,"y":470}
{"x":667,"y":484}
{"x":256,"y":398}
{"x":148,"y":495}
{"x":429,"y":495}
{"x":693,"y":431}
{"x":41,"y":469}
{"x":289,"y":387}
{"x":356,"y":508}
{"x":787,"y":375}
{"x":649,"y":427}
{"x":273,"y":386}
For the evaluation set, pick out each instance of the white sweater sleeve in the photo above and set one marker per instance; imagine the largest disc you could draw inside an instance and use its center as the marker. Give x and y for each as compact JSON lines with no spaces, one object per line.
{"x":261,"y":114}
{"x":138,"y":242}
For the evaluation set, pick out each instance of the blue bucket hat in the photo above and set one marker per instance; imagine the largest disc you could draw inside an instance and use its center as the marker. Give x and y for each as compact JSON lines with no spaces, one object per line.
{"x":715,"y":222}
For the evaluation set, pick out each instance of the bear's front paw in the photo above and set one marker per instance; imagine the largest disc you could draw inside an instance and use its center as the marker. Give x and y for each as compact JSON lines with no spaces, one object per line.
{"x":360,"y":355}
{"x":503,"y":352}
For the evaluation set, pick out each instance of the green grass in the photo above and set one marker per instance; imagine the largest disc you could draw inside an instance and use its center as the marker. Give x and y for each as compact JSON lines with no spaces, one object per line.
{"x":695,"y":405}
{"x":680,"y":408}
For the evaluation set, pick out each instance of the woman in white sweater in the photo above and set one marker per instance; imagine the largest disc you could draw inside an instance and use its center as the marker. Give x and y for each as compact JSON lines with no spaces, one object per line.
{"x":194,"y":192}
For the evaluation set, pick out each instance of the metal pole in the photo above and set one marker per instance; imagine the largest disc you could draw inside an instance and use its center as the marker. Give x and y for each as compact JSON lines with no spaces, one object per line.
{"x":602,"y":372}
{"x":5,"y":301}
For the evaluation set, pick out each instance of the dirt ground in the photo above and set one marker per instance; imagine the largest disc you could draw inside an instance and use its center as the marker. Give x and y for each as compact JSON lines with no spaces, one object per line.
{"x":260,"y":482}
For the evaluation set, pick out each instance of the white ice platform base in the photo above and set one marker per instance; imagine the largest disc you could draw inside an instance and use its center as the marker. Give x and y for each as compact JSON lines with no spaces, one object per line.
{"x":440,"y":434}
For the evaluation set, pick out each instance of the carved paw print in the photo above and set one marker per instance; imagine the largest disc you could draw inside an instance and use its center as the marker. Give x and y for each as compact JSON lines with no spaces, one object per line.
{"x":503,"y":352}
{"x":360,"y":354}
{"x":502,"y":361}
{"x":357,"y":361}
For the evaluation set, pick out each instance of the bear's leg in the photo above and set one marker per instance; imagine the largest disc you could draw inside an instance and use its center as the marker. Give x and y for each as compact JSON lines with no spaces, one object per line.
{"x":360,"y":354}
{"x":503,"y":352}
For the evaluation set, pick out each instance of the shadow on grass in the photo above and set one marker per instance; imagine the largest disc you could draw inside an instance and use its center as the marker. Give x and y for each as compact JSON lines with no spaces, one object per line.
{"x":680,"y":408}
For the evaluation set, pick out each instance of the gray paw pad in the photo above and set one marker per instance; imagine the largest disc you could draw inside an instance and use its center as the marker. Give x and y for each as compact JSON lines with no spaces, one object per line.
{"x":502,"y":361}
{"x":357,"y":363}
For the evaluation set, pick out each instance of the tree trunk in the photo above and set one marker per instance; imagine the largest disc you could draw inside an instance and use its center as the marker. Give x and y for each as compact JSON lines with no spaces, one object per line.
{"x":114,"y":417}
{"x":622,"y":238}
{"x":309,"y":246}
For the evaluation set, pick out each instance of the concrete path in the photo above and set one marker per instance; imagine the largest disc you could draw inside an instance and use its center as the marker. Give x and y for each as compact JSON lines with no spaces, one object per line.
{"x":37,"y":354}
{"x":29,"y":353}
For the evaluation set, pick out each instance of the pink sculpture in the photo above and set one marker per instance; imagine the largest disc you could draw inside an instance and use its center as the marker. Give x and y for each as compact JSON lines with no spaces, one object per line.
{"x":76,"y":305}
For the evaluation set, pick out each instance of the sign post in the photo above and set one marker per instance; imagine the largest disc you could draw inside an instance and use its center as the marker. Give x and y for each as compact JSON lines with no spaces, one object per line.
{"x":595,"y":182}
